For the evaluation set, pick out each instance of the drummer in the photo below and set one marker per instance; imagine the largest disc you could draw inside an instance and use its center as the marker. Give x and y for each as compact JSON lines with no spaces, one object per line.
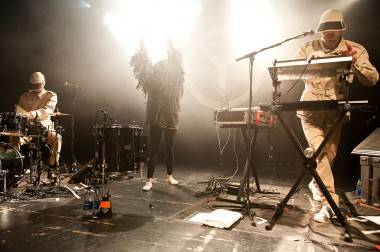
{"x":38,"y":105}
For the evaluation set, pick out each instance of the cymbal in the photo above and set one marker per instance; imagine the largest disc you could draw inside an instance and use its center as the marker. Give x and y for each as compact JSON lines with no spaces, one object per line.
{"x":59,"y":114}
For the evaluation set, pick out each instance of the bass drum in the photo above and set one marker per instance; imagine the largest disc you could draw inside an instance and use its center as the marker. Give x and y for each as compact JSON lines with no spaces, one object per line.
{"x":124,"y":147}
{"x":11,"y":162}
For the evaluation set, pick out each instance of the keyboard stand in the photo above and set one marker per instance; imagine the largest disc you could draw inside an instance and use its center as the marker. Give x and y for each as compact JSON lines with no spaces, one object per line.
{"x":310,"y":166}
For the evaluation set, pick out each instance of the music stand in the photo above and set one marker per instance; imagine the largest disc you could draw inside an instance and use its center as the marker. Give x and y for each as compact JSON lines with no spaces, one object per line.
{"x":335,"y":67}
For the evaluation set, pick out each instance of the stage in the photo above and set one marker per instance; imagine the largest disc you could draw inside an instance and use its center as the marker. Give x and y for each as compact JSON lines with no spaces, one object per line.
{"x":159,"y":220}
{"x":104,"y":80}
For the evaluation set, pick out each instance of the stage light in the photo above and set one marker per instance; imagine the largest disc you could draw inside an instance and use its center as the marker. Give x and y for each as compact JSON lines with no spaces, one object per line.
{"x":154,"y":22}
{"x":252,"y":24}
{"x":84,"y":4}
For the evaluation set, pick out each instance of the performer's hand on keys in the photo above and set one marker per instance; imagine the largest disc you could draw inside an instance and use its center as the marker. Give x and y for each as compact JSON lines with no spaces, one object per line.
{"x":349,"y":50}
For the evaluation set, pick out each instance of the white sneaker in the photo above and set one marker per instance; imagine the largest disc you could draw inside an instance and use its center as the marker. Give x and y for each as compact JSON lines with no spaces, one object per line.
{"x":324,"y":215}
{"x":148,"y":186}
{"x":315,"y":191}
{"x":171,"y":180}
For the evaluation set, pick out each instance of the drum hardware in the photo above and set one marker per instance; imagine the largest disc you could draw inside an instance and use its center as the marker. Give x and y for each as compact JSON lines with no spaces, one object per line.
{"x":59,"y":130}
{"x":36,"y":129}
{"x":3,"y":176}
{"x":73,"y":161}
{"x":118,"y":147}
{"x":13,"y":124}
{"x":81,"y":174}
{"x":94,"y":173}
{"x":36,"y":150}
{"x":11,"y":166}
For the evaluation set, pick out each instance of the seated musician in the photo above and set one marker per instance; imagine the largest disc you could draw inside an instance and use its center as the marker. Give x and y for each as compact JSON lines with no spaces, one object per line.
{"x":38,"y":105}
{"x":316,"y":124}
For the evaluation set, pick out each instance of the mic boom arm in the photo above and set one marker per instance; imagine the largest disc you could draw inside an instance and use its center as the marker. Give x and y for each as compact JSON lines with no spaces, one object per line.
{"x":252,"y":54}
{"x":70,"y":85}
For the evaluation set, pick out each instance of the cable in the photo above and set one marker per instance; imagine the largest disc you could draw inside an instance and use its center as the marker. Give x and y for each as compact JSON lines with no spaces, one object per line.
{"x":218,"y":185}
{"x":299,"y":78}
{"x":236,"y":159}
{"x":214,"y":188}
{"x":221,"y":149}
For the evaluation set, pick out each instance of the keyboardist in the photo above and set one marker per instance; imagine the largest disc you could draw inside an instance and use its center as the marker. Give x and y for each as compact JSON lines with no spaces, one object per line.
{"x":315,"y":124}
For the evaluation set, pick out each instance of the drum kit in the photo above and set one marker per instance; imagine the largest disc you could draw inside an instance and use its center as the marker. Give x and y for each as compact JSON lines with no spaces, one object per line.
{"x":119,"y":148}
{"x":15,"y":127}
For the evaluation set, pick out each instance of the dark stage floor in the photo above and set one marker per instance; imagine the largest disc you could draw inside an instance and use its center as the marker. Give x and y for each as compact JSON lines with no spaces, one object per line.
{"x":52,"y":224}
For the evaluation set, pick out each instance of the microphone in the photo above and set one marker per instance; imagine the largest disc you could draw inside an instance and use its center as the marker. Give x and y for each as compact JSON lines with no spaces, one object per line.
{"x":111,"y":118}
{"x":67,"y":84}
{"x":105,"y":114}
{"x":312,"y":57}
{"x":308,"y":33}
{"x":70,"y":85}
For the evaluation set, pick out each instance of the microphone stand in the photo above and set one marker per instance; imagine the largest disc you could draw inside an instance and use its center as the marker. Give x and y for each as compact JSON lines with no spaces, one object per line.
{"x":244,"y":181}
{"x":253,"y":54}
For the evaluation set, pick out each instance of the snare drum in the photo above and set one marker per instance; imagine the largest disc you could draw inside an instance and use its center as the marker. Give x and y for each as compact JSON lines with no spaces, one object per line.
{"x":13,"y":124}
{"x":36,"y":129}
{"x":11,"y":161}
{"x":124,"y":147}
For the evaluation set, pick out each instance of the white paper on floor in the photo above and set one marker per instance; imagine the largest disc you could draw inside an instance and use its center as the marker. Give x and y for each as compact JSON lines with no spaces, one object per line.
{"x":371,"y":232}
{"x":199,"y":217}
{"x":374,"y":219}
{"x":219,"y":218}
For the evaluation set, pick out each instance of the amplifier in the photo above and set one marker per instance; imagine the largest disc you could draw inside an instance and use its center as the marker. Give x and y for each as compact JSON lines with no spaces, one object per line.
{"x":369,"y":151}
{"x":370,"y":179}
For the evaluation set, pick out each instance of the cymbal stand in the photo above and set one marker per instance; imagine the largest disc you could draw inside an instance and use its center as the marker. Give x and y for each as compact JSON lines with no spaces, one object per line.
{"x":99,"y":153}
{"x":73,"y":162}
{"x":32,"y":166}
{"x":58,"y":130}
{"x":309,"y":157}
{"x":3,"y":176}
{"x":36,"y":163}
